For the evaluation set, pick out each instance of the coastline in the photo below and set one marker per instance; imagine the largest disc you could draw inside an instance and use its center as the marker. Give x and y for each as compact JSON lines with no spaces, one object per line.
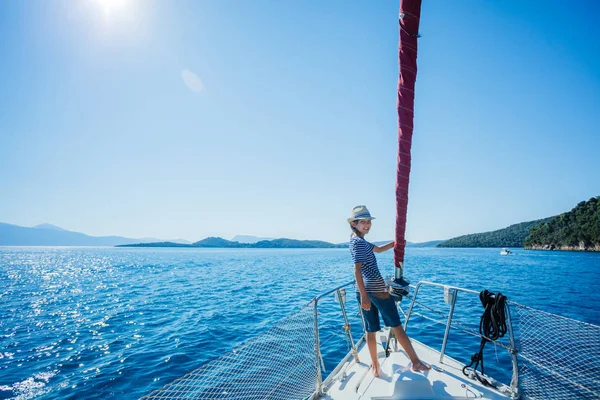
{"x":580,"y":247}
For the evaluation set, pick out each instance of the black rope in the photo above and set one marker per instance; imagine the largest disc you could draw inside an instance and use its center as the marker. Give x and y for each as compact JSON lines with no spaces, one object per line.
{"x":492,"y":326}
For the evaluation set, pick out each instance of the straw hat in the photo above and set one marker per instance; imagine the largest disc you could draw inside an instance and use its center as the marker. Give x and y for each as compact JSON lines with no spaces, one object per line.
{"x":360,"y":212}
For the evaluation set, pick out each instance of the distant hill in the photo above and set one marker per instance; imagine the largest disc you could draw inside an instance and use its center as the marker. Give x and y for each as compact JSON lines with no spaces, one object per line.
{"x":249,"y":239}
{"x":292,"y":243}
{"x":432,"y":243}
{"x":51,"y":235}
{"x":156,"y":244}
{"x":217,"y":242}
{"x":512,"y":236}
{"x":578,"y":229}
{"x":49,"y":226}
{"x":154,"y":240}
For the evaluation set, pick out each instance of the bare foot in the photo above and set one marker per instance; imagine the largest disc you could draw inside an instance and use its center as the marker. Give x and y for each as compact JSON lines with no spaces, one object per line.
{"x":376,"y":370}
{"x":420,"y":366}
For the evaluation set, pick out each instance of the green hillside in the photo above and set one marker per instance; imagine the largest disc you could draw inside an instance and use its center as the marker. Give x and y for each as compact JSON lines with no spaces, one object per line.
{"x":578,"y":229}
{"x":512,"y":236}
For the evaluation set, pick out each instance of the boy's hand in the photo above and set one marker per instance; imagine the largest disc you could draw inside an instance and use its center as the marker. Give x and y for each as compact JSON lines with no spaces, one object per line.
{"x":365,"y":303}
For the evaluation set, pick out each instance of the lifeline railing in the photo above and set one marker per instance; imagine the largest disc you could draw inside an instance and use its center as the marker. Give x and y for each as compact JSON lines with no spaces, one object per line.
{"x":450,"y":297}
{"x":552,"y":356}
{"x":340,"y":295}
{"x":284,"y":362}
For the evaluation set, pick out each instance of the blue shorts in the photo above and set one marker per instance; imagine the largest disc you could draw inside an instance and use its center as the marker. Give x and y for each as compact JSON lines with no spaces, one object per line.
{"x":387,"y":308}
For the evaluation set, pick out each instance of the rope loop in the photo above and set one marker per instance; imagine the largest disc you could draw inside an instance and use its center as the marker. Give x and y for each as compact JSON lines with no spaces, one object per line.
{"x":492,"y":326}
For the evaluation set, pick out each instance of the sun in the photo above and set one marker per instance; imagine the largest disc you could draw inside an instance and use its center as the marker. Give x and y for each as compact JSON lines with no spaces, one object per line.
{"x":111,"y":7}
{"x":119,"y":19}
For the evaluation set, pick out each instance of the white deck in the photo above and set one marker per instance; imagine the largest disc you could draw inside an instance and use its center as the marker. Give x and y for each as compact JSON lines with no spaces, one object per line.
{"x":397,"y":381}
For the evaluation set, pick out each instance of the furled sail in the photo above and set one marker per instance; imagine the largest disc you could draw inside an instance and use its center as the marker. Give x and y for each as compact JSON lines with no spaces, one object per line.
{"x":410,"y":14}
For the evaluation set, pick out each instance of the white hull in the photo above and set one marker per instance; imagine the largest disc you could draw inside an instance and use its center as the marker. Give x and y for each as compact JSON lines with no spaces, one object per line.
{"x":397,"y":381}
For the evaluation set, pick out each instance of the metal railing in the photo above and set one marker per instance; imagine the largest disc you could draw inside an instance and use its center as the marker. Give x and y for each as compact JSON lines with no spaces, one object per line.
{"x":450,"y":297}
{"x":340,"y":295}
{"x":284,"y":362}
{"x":557,"y":356}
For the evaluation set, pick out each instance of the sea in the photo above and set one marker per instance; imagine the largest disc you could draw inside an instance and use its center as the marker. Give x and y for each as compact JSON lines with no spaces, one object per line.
{"x":102,"y":323}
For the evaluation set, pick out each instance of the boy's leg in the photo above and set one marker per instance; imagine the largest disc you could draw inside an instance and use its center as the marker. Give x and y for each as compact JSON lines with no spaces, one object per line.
{"x":371,"y":319}
{"x":389,"y":312}
{"x":402,"y":337}
{"x":372,"y":344}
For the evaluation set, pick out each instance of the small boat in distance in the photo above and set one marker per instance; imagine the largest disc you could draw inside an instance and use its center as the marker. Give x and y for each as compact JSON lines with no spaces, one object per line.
{"x":505,"y":251}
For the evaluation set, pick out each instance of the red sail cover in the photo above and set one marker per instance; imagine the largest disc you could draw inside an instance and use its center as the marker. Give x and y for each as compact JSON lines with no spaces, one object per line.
{"x":410,"y":14}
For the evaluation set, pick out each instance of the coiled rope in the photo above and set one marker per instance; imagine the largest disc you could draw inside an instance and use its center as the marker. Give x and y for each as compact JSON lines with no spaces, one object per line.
{"x":492,"y":326}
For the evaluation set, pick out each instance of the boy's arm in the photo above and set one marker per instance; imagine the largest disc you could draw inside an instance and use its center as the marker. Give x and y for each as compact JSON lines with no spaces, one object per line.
{"x":385,"y":247}
{"x":365,"y":303}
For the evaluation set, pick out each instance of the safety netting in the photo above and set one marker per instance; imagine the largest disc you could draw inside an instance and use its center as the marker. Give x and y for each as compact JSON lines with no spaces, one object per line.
{"x":281,"y":363}
{"x":559,"y":357}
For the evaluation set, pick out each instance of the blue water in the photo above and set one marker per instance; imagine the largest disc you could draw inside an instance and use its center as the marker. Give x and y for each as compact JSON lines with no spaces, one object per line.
{"x":118,"y":323}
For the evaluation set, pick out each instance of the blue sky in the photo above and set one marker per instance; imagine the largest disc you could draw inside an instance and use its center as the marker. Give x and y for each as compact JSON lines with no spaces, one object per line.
{"x":288,"y":120}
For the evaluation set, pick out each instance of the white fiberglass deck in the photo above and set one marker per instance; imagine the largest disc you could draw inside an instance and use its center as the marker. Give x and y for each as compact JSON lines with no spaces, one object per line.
{"x":398,"y":381}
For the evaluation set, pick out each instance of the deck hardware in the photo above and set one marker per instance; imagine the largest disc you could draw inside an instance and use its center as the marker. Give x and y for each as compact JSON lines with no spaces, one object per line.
{"x":362,"y":378}
{"x":340,"y":296}
{"x":449,"y":294}
{"x":340,"y":293}
{"x":436,"y":368}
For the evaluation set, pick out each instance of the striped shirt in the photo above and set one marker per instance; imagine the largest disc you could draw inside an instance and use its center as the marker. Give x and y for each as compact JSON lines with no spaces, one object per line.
{"x":362,"y":252}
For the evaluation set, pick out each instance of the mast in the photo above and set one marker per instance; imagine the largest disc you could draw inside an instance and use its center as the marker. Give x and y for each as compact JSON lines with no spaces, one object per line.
{"x":410,"y":15}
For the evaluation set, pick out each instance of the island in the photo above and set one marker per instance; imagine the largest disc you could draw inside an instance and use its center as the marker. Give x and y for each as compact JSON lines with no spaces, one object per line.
{"x":576,"y":230}
{"x":217,"y":242}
